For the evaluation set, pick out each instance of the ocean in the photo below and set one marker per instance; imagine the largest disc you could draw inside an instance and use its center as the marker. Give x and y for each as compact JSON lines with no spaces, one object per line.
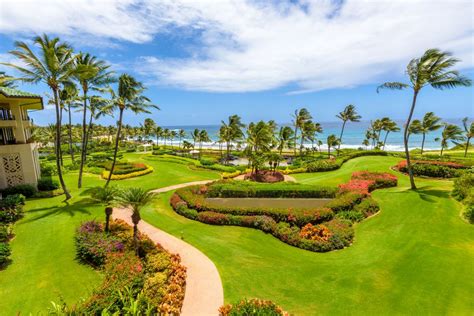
{"x":354,"y":134}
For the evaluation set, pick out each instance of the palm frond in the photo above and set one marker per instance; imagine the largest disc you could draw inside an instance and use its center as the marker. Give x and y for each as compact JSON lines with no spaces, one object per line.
{"x":393,"y":86}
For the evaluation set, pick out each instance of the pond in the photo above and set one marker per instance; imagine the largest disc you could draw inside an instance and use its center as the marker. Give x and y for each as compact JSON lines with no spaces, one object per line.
{"x":268,"y":202}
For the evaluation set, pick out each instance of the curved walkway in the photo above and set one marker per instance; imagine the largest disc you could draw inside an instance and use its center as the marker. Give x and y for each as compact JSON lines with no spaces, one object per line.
{"x":204,"y":293}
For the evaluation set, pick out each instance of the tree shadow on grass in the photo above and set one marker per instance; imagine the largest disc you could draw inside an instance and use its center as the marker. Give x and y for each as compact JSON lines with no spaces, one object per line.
{"x":427,"y":193}
{"x":70,"y":209}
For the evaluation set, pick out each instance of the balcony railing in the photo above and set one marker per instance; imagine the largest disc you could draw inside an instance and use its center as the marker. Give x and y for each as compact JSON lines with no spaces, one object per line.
{"x":7,"y":118}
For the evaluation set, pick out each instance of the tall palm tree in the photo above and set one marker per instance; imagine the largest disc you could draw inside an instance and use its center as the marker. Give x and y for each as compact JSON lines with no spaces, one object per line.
{"x":349,"y":114}
{"x":388,"y":126}
{"x":434,"y":69}
{"x":70,"y":97}
{"x":91,"y":74}
{"x":299,"y":119}
{"x":429,"y":123}
{"x":231,"y":131}
{"x":195,"y":136}
{"x":52,"y":66}
{"x":128,"y":97}
{"x":452,"y":133}
{"x":284,"y":138}
{"x":181,"y":135}
{"x":332,"y":141}
{"x":135,"y":198}
{"x":106,"y":196}
{"x":469,"y":133}
{"x":203,"y":138}
{"x":98,"y":107}
{"x":166,"y":135}
{"x":158,"y":131}
{"x":259,"y":140}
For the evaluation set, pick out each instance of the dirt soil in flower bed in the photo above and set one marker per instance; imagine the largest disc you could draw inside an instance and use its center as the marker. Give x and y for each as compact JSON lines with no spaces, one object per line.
{"x":266,"y":176}
{"x":268,"y":202}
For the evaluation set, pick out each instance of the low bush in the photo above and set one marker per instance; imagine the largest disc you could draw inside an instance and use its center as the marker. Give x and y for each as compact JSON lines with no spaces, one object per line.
{"x":5,"y":253}
{"x":345,"y":202}
{"x":233,"y":189}
{"x":11,"y":208}
{"x":435,"y":169}
{"x":469,"y":213}
{"x":105,"y":174}
{"x":48,"y":169}
{"x":47,"y":184}
{"x":463,"y":186}
{"x":26,"y":190}
{"x":252,"y":307}
{"x":353,"y":216}
{"x":230,"y":175}
{"x":5,"y":233}
{"x":367,"y":207}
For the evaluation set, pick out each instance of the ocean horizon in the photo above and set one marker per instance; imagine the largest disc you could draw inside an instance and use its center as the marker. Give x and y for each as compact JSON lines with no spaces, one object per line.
{"x":354,"y":134}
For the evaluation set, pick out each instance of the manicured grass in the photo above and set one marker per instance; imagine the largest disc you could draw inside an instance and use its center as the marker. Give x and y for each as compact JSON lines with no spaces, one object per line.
{"x":415,"y":257}
{"x":44,"y":266}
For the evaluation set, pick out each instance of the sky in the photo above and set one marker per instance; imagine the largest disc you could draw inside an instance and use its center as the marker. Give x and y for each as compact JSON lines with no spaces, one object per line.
{"x":203,"y":60}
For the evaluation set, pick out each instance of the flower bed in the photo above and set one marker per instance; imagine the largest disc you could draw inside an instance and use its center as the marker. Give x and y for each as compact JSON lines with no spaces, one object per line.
{"x":122,"y":176}
{"x":11,"y":210}
{"x":317,"y":229}
{"x":252,"y":307}
{"x":154,"y":281}
{"x":434,"y":169}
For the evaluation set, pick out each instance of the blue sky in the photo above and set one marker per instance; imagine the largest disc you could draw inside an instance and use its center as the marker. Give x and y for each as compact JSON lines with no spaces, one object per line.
{"x":205,"y":60}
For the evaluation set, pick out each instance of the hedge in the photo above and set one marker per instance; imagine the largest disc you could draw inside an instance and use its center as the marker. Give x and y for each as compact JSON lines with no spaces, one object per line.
{"x":434,"y":169}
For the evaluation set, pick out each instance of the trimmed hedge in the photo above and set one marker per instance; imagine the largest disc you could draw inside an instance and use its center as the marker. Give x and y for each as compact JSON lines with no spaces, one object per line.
{"x":433,"y":169}
{"x":27,"y":190}
{"x":105,"y":174}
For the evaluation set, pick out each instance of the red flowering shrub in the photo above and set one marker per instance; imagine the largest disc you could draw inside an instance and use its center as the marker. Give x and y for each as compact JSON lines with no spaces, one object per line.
{"x":315,"y":232}
{"x":252,"y":307}
{"x":356,"y":186}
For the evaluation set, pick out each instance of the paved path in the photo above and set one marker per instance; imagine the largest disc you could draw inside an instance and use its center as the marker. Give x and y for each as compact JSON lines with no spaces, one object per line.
{"x":204,"y":293}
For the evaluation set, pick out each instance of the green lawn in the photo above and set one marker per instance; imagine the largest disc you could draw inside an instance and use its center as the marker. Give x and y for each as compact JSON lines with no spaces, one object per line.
{"x":44,"y":266}
{"x":415,"y":257}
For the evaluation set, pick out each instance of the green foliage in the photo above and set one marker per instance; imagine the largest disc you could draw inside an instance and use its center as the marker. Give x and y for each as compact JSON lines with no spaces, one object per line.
{"x":252,"y":307}
{"x":26,"y":190}
{"x":5,"y":233}
{"x":268,"y":190}
{"x":11,"y":208}
{"x":5,"y":253}
{"x":47,"y":184}
{"x":463,"y":186}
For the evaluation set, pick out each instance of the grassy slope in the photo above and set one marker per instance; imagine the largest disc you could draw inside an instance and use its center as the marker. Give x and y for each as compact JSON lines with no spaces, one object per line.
{"x":415,"y":257}
{"x":44,"y":267}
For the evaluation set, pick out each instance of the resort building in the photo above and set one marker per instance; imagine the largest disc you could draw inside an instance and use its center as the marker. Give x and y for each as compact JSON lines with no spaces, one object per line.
{"x":19,"y":162}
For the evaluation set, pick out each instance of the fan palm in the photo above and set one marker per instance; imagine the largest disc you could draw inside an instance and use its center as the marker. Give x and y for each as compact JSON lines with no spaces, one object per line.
{"x":434,"y":69}
{"x":452,"y":133}
{"x":128,"y":97}
{"x":349,"y":114}
{"x":106,"y":196}
{"x":388,"y":126}
{"x":469,"y":130}
{"x":332,"y":141}
{"x":91,"y":74}
{"x":52,"y":66}
{"x":135,"y":199}
{"x":429,"y":123}
{"x":299,"y":119}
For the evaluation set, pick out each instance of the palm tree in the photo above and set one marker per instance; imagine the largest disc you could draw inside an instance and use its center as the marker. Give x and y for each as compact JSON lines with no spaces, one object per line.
{"x":181,"y":135}
{"x":173,"y":135}
{"x":332,"y":141}
{"x":284,"y":138}
{"x":388,"y":126}
{"x":166,"y":134}
{"x":135,"y":198}
{"x":148,"y":127}
{"x":91,"y":74}
{"x":106,"y":196}
{"x":452,"y":133}
{"x":433,"y":68}
{"x":128,"y":97}
{"x":69,"y":96}
{"x":469,"y":130}
{"x":203,"y":137}
{"x":299,"y":119}
{"x":195,"y":136}
{"x":53,"y":66}
{"x":414,"y":128}
{"x":158,"y":131}
{"x":349,"y":114}
{"x":231,"y":131}
{"x":429,"y":123}
{"x":259,"y":140}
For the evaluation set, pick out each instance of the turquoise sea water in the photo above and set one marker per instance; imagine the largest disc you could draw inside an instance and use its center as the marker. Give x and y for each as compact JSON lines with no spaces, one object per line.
{"x":354,"y":134}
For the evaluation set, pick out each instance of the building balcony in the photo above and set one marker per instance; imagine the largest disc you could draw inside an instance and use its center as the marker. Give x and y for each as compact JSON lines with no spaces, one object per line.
{"x":8,"y":123}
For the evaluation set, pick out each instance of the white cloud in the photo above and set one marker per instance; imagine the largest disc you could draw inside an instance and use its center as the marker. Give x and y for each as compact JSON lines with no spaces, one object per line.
{"x":261,"y":45}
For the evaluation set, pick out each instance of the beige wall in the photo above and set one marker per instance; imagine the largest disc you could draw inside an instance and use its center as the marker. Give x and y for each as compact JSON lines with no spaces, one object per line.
{"x":29,"y":171}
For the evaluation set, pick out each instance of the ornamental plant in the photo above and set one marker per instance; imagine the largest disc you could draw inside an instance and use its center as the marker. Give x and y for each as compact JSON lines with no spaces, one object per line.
{"x":315,"y":232}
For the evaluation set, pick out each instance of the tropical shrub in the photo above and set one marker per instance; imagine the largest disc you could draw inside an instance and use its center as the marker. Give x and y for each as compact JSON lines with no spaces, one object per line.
{"x":463,"y":186}
{"x":26,"y":190}
{"x":5,"y":253}
{"x":11,"y":208}
{"x":47,"y":184}
{"x":315,"y":232}
{"x":4,"y":233}
{"x":252,"y":307}
{"x":436,"y":169}
{"x":367,"y":207}
{"x":105,"y":174}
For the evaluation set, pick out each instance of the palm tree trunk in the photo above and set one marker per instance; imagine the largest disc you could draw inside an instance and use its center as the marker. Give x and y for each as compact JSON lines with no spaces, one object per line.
{"x":108,"y":213}
{"x":119,"y":129}
{"x":467,"y":146}
{"x":58,"y":145}
{"x":89,"y":133}
{"x":385,"y":140}
{"x":301,"y":144}
{"x":84,"y":136}
{"x":423,"y":143}
{"x":329,"y":152}
{"x":60,"y":150}
{"x":405,"y":141}
{"x":296,"y":138}
{"x":340,"y":137}
{"x":71,"y":151}
{"x":442,"y":148}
